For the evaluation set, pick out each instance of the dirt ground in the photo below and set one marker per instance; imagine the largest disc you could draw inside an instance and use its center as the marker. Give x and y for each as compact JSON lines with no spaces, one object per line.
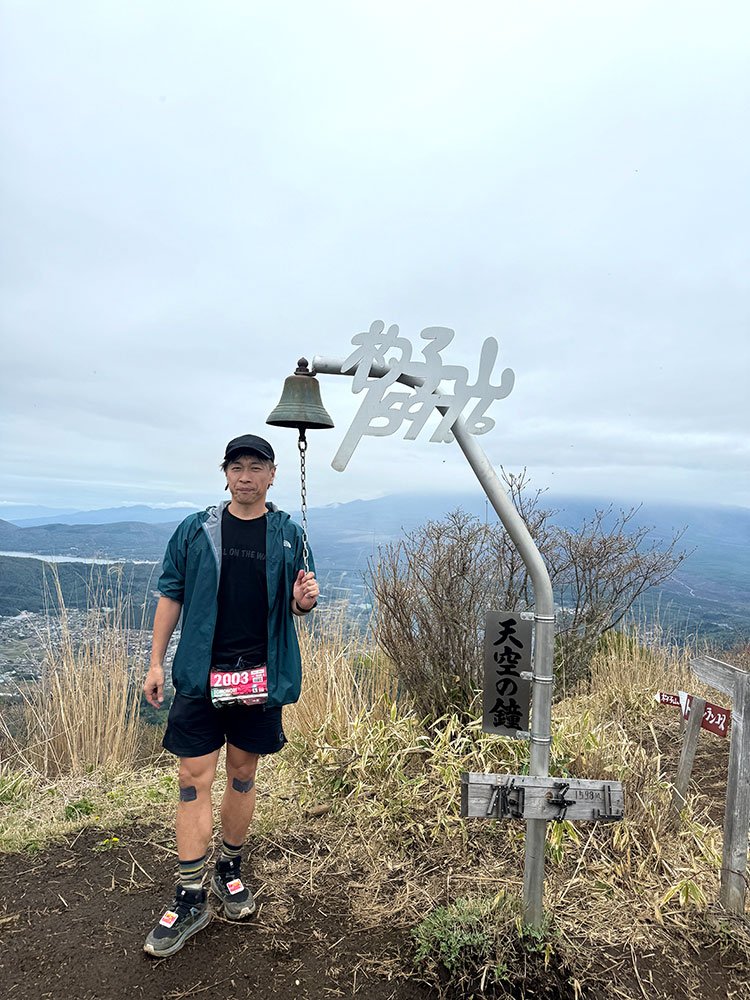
{"x":73,"y":919}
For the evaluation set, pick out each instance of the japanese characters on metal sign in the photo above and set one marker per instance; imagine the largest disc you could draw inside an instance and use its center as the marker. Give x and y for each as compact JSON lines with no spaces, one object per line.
{"x":384,"y":409}
{"x":507,"y":655}
{"x":715,"y":718}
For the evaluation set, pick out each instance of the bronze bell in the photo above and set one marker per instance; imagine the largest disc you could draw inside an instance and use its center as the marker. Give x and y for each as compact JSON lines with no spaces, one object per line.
{"x":300,"y":404}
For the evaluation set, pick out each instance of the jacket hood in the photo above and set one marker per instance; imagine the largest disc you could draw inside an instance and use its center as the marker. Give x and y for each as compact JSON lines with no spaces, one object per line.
{"x":215,"y":511}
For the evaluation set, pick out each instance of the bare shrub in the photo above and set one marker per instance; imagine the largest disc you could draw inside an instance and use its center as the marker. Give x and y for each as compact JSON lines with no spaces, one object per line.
{"x":599,"y":572}
{"x":433,"y":588}
{"x":431,"y":591}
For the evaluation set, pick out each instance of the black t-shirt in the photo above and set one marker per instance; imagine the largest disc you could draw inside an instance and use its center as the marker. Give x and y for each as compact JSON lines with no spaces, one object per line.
{"x":242,"y":619}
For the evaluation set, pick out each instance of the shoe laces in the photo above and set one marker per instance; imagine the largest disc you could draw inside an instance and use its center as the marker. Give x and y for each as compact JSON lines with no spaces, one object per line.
{"x":229,"y":870}
{"x":229,"y":867}
{"x":185,"y":900}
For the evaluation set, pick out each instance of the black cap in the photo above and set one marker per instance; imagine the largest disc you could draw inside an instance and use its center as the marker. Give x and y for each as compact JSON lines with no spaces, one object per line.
{"x":249,"y":442}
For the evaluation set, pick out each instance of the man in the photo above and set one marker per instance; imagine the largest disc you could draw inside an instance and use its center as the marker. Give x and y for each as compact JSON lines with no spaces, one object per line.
{"x":235,"y":572}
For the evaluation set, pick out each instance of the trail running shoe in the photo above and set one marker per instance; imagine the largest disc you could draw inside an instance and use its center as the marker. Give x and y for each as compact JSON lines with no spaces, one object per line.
{"x":228,"y":886}
{"x":188,"y":914}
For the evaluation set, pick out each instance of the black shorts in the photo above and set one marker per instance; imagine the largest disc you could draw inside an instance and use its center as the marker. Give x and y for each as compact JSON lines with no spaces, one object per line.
{"x":195,"y":727}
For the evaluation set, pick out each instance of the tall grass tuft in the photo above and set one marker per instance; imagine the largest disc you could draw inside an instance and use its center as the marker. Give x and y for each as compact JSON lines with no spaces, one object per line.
{"x":627,"y":671}
{"x":343,"y":674}
{"x":82,"y":714}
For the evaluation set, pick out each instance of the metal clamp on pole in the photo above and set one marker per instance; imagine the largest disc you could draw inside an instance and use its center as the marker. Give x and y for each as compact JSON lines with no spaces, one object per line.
{"x":507,"y":800}
{"x":608,"y":812}
{"x":559,"y":801}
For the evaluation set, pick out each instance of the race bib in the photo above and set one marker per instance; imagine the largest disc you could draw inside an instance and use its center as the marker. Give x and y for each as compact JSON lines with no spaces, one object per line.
{"x":239,"y":686}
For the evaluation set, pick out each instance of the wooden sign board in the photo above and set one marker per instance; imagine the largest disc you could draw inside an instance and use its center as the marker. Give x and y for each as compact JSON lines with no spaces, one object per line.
{"x":734,"y":681}
{"x":507,"y":655}
{"x":716,"y":673}
{"x":523,"y":796}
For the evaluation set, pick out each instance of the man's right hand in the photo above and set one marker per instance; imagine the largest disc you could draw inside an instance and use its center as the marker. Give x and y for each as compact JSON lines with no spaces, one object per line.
{"x":153,"y":686}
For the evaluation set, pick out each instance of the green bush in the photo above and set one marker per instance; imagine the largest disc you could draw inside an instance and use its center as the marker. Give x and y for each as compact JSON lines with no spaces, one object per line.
{"x":480,"y":947}
{"x":79,"y":808}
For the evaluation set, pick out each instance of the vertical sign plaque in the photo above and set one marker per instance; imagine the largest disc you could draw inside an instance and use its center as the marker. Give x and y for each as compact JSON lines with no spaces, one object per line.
{"x":507,"y":655}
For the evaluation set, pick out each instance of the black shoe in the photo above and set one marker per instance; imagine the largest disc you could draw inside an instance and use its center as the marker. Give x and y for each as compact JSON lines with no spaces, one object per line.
{"x":228,"y":886}
{"x":188,"y":914}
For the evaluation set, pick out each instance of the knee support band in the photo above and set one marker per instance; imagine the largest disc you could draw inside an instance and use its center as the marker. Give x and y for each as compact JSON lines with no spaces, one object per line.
{"x":188,"y":794}
{"x":242,"y":786}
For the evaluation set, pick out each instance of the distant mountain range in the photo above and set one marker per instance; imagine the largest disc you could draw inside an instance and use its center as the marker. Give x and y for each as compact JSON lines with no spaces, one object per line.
{"x":30,"y":517}
{"x":118,"y":540}
{"x":710,"y":590}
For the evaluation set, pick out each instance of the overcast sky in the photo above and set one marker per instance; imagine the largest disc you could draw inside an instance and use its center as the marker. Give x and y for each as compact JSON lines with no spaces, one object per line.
{"x":196,"y":194}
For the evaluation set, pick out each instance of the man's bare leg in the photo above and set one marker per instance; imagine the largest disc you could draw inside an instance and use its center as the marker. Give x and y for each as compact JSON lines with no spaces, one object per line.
{"x":238,"y":804}
{"x":194,"y":822}
{"x":189,"y":912}
{"x":237,"y":808}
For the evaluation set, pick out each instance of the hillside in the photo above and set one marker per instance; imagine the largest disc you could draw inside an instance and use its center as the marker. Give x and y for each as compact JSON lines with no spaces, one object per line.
{"x":709,"y":593}
{"x":28,"y":585}
{"x":108,"y":515}
{"x":122,"y":540}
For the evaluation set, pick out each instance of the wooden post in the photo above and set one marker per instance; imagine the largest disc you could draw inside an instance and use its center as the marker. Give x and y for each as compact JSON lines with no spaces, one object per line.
{"x":687,"y":757}
{"x":735,"y":682}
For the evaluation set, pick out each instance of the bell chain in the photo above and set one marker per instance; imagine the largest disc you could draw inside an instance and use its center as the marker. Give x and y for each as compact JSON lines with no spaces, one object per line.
{"x":302,"y":445}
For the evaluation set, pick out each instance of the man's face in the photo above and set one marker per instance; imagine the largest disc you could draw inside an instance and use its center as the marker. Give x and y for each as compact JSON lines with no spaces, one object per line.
{"x":248,"y":479}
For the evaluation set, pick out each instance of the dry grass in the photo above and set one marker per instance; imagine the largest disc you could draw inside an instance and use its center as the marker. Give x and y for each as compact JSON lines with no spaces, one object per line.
{"x":391,"y":791}
{"x":82,"y":714}
{"x":343,"y":674}
{"x":368,"y":795}
{"x":35,"y":811}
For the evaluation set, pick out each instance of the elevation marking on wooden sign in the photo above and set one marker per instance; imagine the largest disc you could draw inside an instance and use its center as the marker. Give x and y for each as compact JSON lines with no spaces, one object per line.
{"x":524,"y":796}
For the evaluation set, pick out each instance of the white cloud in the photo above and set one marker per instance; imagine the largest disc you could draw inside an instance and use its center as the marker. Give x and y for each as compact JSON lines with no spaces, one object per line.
{"x":192,"y":202}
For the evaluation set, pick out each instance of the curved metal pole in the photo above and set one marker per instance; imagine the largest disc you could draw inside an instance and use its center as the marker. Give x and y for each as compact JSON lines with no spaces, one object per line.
{"x":544,"y":618}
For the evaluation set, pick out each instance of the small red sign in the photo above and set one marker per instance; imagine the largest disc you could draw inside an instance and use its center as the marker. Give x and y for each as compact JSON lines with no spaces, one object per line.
{"x":715,"y":718}
{"x":668,"y":699}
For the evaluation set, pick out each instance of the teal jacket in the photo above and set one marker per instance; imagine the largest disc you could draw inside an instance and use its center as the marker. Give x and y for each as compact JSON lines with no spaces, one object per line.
{"x":190,"y":575}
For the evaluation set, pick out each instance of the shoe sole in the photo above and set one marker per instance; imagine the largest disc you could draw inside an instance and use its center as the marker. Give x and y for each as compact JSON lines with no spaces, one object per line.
{"x":245,"y":912}
{"x":197,"y":926}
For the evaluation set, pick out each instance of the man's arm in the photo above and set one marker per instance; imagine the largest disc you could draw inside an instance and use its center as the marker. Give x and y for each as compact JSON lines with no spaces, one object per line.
{"x":165,"y":621}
